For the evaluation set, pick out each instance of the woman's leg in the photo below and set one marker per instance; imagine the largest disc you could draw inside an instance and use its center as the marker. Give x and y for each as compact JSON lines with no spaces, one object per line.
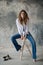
{"x":29,"y":37}
{"x":13,"y":39}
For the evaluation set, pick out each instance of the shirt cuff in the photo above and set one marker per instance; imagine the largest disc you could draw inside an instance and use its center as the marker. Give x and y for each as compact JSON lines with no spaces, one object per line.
{"x":24,"y":34}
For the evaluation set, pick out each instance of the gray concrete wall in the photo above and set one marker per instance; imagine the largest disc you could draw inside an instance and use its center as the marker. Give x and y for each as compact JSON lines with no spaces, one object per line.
{"x":8,"y":13}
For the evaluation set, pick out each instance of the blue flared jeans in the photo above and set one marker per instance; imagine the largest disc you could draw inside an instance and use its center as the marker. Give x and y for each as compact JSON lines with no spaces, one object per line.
{"x":30,"y":38}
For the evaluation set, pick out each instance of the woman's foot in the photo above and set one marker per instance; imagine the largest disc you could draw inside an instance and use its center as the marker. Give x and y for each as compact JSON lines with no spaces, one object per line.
{"x":34,"y":60}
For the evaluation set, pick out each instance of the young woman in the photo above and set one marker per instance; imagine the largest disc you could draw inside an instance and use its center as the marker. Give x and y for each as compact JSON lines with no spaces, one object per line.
{"x":23,"y":33}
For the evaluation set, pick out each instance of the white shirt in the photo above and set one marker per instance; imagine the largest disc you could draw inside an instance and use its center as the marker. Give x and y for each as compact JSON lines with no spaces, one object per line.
{"x":22,"y":29}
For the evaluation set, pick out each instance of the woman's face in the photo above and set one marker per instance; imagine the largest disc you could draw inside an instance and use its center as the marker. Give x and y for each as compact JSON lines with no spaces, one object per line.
{"x":22,"y":15}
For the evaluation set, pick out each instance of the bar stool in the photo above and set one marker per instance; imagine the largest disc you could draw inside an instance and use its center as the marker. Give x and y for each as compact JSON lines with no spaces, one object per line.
{"x":22,"y":48}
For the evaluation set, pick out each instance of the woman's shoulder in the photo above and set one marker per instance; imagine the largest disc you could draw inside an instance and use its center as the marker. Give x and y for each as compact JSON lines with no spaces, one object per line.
{"x":17,"y":20}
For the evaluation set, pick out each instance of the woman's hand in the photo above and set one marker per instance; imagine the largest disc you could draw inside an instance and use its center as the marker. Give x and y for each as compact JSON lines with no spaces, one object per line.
{"x":27,"y":33}
{"x":23,"y":37}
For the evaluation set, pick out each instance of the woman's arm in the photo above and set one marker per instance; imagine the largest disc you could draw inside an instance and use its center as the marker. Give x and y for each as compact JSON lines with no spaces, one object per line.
{"x":26,"y":29}
{"x":19,"y":27}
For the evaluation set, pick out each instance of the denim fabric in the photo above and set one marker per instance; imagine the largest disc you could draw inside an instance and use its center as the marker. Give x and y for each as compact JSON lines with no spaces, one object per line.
{"x":30,"y":38}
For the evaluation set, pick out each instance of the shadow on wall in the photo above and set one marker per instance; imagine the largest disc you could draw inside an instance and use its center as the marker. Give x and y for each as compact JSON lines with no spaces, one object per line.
{"x":40,"y":13}
{"x":38,"y":31}
{"x":11,"y":19}
{"x":40,"y":2}
{"x":8,"y":19}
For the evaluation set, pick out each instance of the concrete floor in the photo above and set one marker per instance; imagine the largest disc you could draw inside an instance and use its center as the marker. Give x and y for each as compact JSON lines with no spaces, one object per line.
{"x":26,"y":59}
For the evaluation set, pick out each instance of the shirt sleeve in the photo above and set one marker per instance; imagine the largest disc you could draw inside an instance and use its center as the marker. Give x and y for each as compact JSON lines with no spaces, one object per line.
{"x":19,"y":27}
{"x":26,"y":29}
